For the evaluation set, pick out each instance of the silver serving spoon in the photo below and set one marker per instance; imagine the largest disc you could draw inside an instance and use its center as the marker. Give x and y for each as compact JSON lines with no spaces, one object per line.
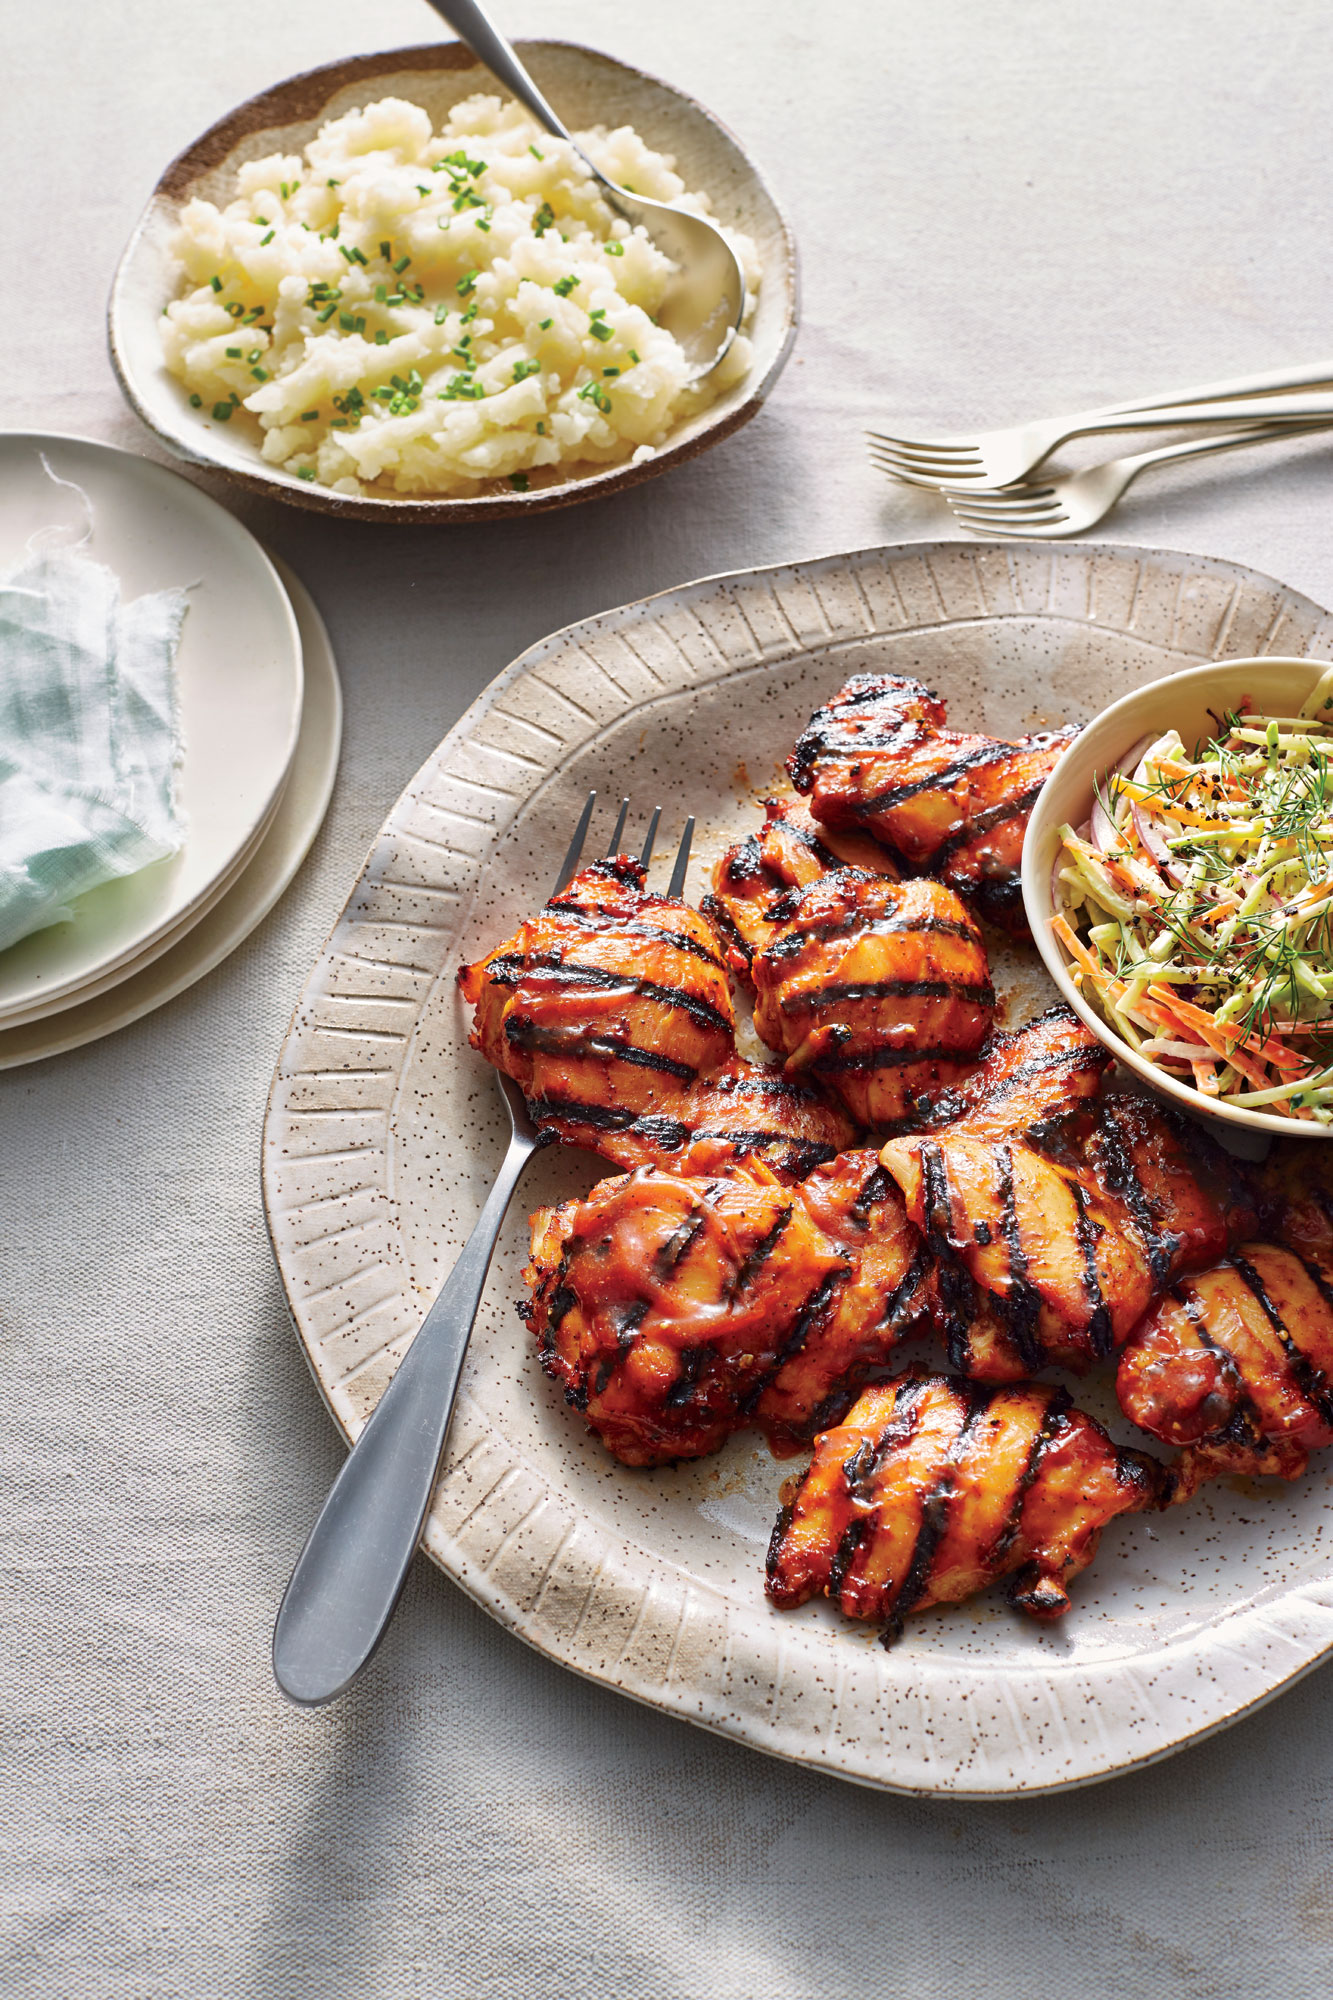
{"x":705,"y":300}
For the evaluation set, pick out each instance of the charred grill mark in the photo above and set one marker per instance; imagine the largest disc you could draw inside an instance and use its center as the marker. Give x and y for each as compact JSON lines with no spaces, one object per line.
{"x":775,"y":1540}
{"x":1099,"y":1332}
{"x":1192,"y":1307}
{"x":764,"y":1083}
{"x":1123,"y":1178}
{"x":985,"y":823}
{"x":1056,"y":1063}
{"x":760,"y":1253}
{"x":877,"y":1183}
{"x":900,"y":1304}
{"x":1021,"y":1306}
{"x":745,"y":862}
{"x":667,"y":1133}
{"x":512,"y":967}
{"x":937,"y":781}
{"x":631,"y":1319}
{"x":859,"y":1472}
{"x":1312,"y":1381}
{"x":851,"y":991}
{"x":721,"y":920}
{"x":575,"y":1043}
{"x":795,"y":942}
{"x":761,"y":1139}
{"x":682,"y":1389}
{"x":601,"y":1378}
{"x":1047,"y":1430}
{"x":796,"y":1339}
{"x":835,"y":1064}
{"x":677,"y":1245}
{"x":934,"y":1518}
{"x":958,"y":1292}
{"x":599,"y":922}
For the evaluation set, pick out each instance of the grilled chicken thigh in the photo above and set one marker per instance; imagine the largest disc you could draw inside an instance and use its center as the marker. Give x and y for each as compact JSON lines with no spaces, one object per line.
{"x":878,"y":759}
{"x":932,"y":1488}
{"x":1237,"y":1363}
{"x":881,"y":990}
{"x":754,"y":880}
{"x":612,"y":1011}
{"x":1026,"y":1078}
{"x":675,"y":1311}
{"x":1051,"y":1252}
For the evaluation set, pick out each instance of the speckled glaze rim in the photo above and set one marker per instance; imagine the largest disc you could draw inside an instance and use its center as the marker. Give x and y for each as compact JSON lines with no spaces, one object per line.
{"x":1102,"y":743}
{"x":620,"y":1613}
{"x":303,"y":98}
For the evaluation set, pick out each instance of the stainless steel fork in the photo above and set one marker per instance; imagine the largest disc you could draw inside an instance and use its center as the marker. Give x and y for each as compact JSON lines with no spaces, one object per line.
{"x":351,"y":1572}
{"x":999,"y":457}
{"x":1073,"y":504}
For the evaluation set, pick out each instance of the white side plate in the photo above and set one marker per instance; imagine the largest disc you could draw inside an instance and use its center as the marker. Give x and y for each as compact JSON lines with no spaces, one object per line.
{"x":238,"y":670}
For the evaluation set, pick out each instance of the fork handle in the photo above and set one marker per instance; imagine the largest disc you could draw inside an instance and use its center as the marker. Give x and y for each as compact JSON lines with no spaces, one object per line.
{"x":1312,"y":375}
{"x":352,"y":1569}
{"x":475,"y":29}
{"x":1260,"y":410}
{"x":1229,"y":441}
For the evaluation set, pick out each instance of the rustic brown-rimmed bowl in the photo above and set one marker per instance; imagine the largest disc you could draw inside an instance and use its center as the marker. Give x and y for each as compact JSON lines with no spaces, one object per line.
{"x":587,"y":89}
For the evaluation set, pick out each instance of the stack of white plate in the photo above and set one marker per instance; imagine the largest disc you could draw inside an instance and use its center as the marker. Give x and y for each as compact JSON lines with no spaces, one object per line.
{"x":261,"y":712}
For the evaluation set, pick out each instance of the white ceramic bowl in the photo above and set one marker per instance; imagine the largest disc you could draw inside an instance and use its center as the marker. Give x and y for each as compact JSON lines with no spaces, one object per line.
{"x":1189,"y":702}
{"x":587,"y":89}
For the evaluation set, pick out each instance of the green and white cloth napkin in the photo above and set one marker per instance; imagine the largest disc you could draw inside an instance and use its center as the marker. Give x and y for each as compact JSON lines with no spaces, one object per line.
{"x":90,"y":742}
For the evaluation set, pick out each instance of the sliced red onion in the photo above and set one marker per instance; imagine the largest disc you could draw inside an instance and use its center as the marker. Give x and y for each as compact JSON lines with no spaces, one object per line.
{"x":1151,"y":838}
{"x":1103,"y":833}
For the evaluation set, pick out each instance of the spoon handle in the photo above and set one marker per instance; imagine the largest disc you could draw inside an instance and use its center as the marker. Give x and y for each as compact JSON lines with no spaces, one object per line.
{"x":352,"y":1569}
{"x":478,"y":32}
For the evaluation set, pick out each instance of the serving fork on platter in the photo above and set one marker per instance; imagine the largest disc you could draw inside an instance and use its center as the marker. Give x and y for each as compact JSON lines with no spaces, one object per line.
{"x":350,"y":1574}
{"x":1072,"y":504}
{"x":999,"y":457}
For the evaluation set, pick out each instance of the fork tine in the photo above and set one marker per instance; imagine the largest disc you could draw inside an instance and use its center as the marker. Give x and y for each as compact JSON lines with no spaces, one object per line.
{"x":682,"y":859}
{"x":895,"y":468}
{"x":991,"y":524}
{"x":614,"y":848}
{"x":651,"y":836}
{"x":936,"y":447}
{"x":1004,"y":510}
{"x":571,"y":860}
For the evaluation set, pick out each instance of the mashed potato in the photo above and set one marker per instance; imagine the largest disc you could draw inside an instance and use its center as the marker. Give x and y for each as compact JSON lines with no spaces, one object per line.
{"x":404,"y":311}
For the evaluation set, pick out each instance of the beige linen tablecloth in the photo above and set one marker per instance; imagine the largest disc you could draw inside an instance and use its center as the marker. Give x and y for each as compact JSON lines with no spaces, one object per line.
{"x":1002,"y":208}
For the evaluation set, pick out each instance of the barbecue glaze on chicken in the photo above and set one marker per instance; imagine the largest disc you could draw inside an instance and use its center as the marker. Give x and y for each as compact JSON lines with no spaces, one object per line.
{"x":1051,"y":1247}
{"x":753,"y":881}
{"x":878,"y":759}
{"x":612,"y":1011}
{"x":931,"y":1489}
{"x":676,"y":1311}
{"x":1236,"y":1362}
{"x":879,"y":990}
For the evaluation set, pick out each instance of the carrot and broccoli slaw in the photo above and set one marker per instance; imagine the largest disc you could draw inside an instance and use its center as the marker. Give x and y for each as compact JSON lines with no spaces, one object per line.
{"x":1197,"y":907}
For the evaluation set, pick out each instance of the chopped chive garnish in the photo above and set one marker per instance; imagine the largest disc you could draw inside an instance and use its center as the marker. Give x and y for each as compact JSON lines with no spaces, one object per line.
{"x":544,"y":323}
{"x":564,"y":286}
{"x":600,"y":330}
{"x":333,"y":184}
{"x":402,"y":265}
{"x":535,"y":154}
{"x":519,"y":481}
{"x":309,"y":416}
{"x":467,"y":283}
{"x":543,"y":220}
{"x":541,"y":430}
{"x":260,"y":374}
{"x":237,"y":312}
{"x":327,"y":314}
{"x":381,"y":337}
{"x":615,"y":249}
{"x":632,"y":355}
{"x":267,"y":239}
{"x":386,"y":251}
{"x":593,"y":392}
{"x":196,"y":402}
{"x":222,"y":412}
{"x":305,"y":471}
{"x":216,"y":283}
{"x":233,"y":354}
{"x":610,"y":371}
{"x":462,"y":388}
{"x":522,"y":369}
{"x":483,"y":225}
{"x":441,"y":314}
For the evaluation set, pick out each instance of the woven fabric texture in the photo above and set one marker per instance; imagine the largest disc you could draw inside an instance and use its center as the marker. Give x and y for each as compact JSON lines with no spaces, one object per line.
{"x":1002,"y":210}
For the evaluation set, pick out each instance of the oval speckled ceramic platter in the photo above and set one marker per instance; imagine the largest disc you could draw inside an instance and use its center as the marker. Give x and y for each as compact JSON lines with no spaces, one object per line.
{"x":382,"y":1136}
{"x":588,"y":89}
